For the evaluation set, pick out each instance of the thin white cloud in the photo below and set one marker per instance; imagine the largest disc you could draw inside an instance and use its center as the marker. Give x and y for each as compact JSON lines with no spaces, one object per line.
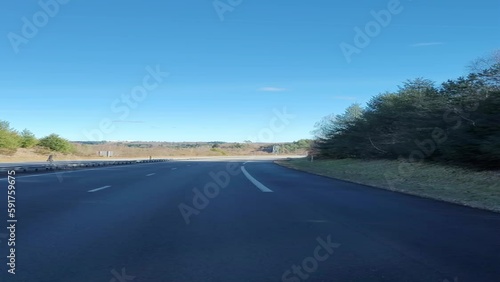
{"x":272,"y":89}
{"x":348,"y":98}
{"x":128,"y":121}
{"x":424,"y":44}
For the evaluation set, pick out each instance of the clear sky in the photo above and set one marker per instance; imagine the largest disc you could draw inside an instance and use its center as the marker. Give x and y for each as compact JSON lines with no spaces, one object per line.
{"x":65,"y":67}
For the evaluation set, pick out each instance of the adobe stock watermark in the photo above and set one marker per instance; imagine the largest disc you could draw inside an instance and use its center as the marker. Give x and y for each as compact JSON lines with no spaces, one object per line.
{"x":427,"y":147}
{"x":201,"y":198}
{"x":75,"y":163}
{"x":309,"y":265}
{"x":123,"y":106}
{"x":121,"y":277}
{"x":277,"y":124}
{"x":59,"y":175}
{"x":223,"y":6}
{"x":363,"y":36}
{"x":31,"y":26}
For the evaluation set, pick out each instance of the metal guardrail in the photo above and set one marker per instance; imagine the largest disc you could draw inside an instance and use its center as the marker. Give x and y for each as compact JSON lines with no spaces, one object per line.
{"x":72,"y":165}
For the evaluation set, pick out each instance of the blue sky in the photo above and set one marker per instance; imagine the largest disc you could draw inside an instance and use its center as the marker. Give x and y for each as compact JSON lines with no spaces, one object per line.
{"x":227,"y":75}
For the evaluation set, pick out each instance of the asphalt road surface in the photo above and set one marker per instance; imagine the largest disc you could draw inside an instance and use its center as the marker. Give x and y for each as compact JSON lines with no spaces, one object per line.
{"x":235,"y":221}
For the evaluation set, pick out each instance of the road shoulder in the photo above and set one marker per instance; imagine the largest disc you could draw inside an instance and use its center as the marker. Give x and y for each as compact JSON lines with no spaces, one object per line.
{"x":477,"y":189}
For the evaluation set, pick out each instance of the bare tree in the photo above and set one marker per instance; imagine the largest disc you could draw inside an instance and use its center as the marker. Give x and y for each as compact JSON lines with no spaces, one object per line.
{"x":488,"y":68}
{"x":484,"y":63}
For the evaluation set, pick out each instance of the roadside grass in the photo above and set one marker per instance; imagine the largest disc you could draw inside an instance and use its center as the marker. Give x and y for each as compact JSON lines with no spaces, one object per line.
{"x":478,"y":189}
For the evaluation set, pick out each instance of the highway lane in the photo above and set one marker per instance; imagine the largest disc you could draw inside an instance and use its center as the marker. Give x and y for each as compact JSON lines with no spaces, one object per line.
{"x":338,"y":231}
{"x":460,"y":241}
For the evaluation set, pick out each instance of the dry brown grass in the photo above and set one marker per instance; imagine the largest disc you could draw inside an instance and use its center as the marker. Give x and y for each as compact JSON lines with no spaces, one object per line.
{"x":123,"y":151}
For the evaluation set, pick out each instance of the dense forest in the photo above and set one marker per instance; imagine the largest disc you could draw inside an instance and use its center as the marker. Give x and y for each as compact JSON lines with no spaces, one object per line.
{"x":457,"y":122}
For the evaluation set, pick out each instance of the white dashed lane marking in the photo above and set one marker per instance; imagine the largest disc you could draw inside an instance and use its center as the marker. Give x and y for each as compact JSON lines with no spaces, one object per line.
{"x":98,"y":189}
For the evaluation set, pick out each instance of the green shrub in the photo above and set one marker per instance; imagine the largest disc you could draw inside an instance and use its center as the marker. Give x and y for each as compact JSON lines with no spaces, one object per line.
{"x":28,"y":139}
{"x":9,"y":138}
{"x":55,"y":143}
{"x":219,"y":151}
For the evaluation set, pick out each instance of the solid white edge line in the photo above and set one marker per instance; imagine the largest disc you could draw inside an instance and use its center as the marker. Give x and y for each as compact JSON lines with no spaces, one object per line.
{"x":98,"y":189}
{"x":255,"y":182}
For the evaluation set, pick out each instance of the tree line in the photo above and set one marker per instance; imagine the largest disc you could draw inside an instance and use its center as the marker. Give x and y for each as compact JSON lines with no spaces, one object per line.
{"x":11,"y":140}
{"x":457,"y":122}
